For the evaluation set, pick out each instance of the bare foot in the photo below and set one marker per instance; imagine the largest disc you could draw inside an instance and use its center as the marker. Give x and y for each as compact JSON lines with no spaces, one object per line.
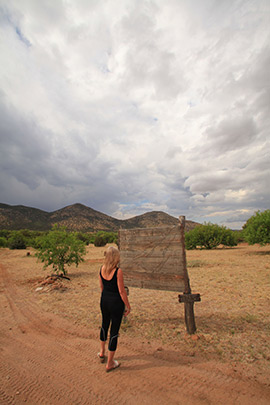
{"x":112,"y":366}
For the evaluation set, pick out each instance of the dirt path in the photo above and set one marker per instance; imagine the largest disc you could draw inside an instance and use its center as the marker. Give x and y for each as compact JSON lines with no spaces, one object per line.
{"x":45,"y":359}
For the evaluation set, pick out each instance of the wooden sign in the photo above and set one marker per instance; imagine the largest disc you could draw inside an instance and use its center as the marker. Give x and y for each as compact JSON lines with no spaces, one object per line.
{"x":155,"y":257}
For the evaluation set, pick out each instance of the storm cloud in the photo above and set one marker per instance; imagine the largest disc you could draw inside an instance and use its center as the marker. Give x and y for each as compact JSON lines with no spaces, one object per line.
{"x":147,"y":105}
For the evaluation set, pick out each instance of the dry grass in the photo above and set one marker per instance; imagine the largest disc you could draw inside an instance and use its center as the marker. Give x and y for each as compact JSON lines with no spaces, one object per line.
{"x":233,"y":318}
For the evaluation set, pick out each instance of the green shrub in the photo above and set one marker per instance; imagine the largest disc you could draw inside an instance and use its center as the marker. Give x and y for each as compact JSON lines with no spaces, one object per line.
{"x":210,"y":236}
{"x":3,"y":242}
{"x":85,"y":237}
{"x":26,"y":236}
{"x":239,"y":236}
{"x":5,"y":233}
{"x":257,"y":228}
{"x":100,"y":240}
{"x":17,"y":241}
{"x":36,"y":242}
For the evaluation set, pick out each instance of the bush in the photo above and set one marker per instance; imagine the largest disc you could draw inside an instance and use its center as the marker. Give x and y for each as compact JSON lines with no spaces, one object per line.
{"x":102,"y":238}
{"x":23,"y":237}
{"x":239,"y":236}
{"x":30,"y":236}
{"x":17,"y":241}
{"x":3,"y":242}
{"x":36,"y":242}
{"x":84,"y":237}
{"x":210,"y":236}
{"x":5,"y":233}
{"x":257,"y":228}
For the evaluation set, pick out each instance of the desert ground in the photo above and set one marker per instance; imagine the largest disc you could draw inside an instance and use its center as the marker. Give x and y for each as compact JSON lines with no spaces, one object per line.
{"x":49,"y":334}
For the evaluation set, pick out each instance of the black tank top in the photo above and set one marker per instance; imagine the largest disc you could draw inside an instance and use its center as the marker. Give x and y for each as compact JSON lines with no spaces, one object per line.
{"x":110,"y":286}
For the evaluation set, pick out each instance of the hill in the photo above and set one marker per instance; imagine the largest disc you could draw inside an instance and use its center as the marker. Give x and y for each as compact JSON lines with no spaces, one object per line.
{"x":21,"y":217}
{"x":78,"y":217}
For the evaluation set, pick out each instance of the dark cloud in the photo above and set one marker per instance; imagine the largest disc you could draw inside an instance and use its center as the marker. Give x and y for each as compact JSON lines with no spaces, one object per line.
{"x":146,"y":106}
{"x":24,"y":150}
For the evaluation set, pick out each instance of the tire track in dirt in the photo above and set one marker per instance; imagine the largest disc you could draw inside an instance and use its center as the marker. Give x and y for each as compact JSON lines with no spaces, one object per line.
{"x":53,"y":352}
{"x":47,"y":360}
{"x":49,"y":375}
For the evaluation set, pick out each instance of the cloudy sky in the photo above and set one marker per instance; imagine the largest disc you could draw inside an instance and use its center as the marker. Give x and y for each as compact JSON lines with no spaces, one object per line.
{"x":131,"y":106}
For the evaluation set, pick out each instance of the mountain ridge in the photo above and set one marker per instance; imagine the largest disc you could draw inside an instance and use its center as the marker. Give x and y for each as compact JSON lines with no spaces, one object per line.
{"x":79,"y":217}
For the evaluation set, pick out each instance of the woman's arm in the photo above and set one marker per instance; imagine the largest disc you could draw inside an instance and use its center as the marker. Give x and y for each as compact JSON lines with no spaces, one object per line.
{"x":122,"y":291}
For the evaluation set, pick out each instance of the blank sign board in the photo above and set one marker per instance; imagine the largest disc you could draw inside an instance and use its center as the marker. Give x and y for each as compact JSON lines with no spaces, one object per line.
{"x":154,"y":258}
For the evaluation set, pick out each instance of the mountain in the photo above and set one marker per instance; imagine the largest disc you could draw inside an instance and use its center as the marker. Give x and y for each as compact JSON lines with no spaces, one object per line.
{"x":81,"y":218}
{"x":78,"y":217}
{"x":21,"y":217}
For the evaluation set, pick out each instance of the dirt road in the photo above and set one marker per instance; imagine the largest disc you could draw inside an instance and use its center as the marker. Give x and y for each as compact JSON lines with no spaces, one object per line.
{"x":45,"y":359}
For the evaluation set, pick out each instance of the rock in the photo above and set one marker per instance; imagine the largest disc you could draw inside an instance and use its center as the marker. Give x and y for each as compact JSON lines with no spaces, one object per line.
{"x":195,"y":337}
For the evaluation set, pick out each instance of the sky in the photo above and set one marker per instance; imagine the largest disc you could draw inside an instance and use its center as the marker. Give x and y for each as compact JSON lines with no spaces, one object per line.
{"x":132,"y":106}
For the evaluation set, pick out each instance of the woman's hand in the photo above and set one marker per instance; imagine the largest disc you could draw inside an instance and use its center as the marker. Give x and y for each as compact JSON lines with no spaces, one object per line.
{"x":127,"y":311}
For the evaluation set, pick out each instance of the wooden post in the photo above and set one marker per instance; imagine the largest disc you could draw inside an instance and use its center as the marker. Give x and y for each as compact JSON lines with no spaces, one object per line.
{"x":189,"y":300}
{"x":190,"y":318}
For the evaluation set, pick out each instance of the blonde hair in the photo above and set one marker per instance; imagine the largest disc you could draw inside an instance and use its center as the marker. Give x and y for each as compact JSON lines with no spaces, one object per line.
{"x":112,"y":258}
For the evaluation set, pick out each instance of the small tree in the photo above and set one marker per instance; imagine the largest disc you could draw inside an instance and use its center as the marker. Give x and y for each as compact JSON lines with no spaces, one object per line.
{"x":60,"y":248}
{"x":257,"y":228}
{"x":210,"y":236}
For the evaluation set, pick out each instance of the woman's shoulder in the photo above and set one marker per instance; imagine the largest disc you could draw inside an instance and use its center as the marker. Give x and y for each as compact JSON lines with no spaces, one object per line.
{"x":119,"y":271}
{"x":111,"y":276}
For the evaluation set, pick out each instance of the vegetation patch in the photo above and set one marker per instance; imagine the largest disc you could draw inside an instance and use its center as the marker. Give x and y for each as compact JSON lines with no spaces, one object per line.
{"x":210,"y":236}
{"x":257,"y":228}
{"x":194,"y":263}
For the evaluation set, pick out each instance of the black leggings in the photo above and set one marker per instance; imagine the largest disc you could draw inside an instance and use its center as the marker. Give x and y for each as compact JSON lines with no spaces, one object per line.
{"x":112,"y":309}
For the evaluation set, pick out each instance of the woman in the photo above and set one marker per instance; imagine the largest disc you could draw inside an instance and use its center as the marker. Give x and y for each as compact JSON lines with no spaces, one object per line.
{"x":113,"y":303}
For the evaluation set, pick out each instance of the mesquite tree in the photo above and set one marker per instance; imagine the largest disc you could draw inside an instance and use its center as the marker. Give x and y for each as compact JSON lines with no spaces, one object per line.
{"x":257,"y":228}
{"x":60,"y":248}
{"x":210,"y":236}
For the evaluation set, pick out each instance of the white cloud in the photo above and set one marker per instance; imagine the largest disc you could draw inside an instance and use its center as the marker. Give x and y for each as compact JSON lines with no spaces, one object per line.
{"x":141,"y":106}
